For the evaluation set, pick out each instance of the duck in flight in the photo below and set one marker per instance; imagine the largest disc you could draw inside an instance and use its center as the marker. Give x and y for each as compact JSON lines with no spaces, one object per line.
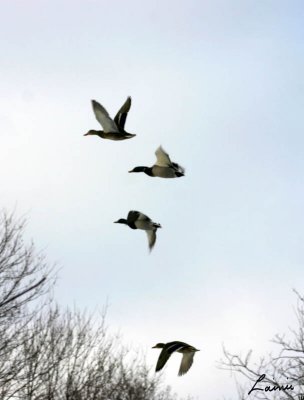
{"x":138,"y":220}
{"x":171,"y":347}
{"x":163,"y":167}
{"x":112,"y":129}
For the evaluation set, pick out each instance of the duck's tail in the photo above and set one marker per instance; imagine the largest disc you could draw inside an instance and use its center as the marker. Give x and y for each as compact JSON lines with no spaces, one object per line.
{"x":178,"y":169}
{"x":130,"y":135}
{"x":179,"y":174}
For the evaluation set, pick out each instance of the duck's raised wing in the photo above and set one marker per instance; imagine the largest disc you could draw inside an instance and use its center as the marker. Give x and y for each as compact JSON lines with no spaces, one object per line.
{"x":103,"y":118}
{"x":121,"y":116}
{"x":162,"y":158}
{"x":133,"y":216}
{"x":186,"y":363}
{"x":137,"y":216}
{"x":162,"y":359}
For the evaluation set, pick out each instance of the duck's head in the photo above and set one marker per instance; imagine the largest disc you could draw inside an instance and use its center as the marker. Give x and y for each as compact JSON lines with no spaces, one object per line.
{"x":91,"y":132}
{"x":146,"y":170}
{"x":138,"y":169}
{"x":159,"y":346}
{"x":121,"y":221}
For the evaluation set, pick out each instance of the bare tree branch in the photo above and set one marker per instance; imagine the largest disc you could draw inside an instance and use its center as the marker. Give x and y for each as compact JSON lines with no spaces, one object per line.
{"x":23,"y":292}
{"x":281,"y":370}
{"x":50,"y":354}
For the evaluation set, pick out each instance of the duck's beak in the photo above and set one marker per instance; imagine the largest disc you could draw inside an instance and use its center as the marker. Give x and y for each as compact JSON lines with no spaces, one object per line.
{"x":91,"y":132}
{"x":131,"y":171}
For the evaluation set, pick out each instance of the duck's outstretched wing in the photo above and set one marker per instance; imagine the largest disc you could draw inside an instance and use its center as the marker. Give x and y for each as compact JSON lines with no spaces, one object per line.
{"x":162,"y":158}
{"x":162,"y":359}
{"x":133,"y":216}
{"x":103,"y":118}
{"x":186,"y":363}
{"x":121,"y":116}
{"x":137,"y":216}
{"x":151,"y":238}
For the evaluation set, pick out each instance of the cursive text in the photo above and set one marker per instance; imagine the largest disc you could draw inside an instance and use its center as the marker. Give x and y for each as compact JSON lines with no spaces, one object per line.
{"x":269,"y":388}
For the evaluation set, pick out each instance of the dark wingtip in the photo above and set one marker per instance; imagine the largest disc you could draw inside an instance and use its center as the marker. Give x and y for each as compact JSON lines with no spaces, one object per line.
{"x":157,"y":369}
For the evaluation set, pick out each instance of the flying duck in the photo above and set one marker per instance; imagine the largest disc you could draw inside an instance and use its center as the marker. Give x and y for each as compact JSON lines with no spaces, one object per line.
{"x":169,"y":348}
{"x":163,"y":168}
{"x":138,"y":220}
{"x":114,"y":130}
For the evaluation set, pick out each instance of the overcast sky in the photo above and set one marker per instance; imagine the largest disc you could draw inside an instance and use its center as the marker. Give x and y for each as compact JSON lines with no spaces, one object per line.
{"x":219,"y":84}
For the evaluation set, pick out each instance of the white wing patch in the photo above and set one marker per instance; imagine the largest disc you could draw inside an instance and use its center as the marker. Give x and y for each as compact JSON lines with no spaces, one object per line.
{"x":186,"y":363}
{"x":162,"y":158}
{"x":103,"y":118}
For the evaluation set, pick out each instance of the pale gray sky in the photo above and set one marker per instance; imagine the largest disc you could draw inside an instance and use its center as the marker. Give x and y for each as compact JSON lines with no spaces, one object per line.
{"x":220,"y":85}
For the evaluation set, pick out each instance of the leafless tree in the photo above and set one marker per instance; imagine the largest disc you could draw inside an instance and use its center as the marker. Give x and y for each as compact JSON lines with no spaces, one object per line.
{"x":50,"y":354}
{"x":66,"y":356}
{"x":276,"y":376}
{"x":24,"y":277}
{"x":23,"y":272}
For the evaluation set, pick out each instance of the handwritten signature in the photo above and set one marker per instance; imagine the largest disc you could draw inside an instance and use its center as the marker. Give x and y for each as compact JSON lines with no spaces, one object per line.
{"x":272,"y":388}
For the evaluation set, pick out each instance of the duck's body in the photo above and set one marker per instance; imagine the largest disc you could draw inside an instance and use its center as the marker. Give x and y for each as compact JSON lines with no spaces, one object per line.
{"x":110,"y":135}
{"x":163,"y":168}
{"x":112,"y":129}
{"x":176,"y":346}
{"x":138,"y":220}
